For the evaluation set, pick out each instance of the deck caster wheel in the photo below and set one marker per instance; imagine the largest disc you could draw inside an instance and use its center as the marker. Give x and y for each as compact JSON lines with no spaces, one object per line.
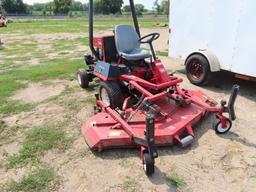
{"x":83,"y":78}
{"x":148,"y":164}
{"x":218,"y":126}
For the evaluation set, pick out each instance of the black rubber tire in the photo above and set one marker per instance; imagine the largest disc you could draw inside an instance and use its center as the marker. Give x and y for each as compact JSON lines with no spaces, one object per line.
{"x":148,"y":164}
{"x":114,"y":92}
{"x":205,"y":75}
{"x":84,"y":78}
{"x":216,"y":124}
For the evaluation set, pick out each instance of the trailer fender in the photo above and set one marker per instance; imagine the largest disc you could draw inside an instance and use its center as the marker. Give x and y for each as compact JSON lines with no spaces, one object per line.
{"x":211,"y":58}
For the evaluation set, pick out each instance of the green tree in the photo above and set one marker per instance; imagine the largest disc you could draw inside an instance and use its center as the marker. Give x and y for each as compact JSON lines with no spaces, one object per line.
{"x":14,"y":6}
{"x":165,"y":7}
{"x":98,"y":6}
{"x":112,"y":6}
{"x":38,"y":6}
{"x":2,"y":11}
{"x":108,"y":6}
{"x":77,"y":6}
{"x":157,"y":7}
{"x":127,"y":8}
{"x":139,"y":9}
{"x":85,"y":7}
{"x":49,"y":7}
{"x":62,"y":6}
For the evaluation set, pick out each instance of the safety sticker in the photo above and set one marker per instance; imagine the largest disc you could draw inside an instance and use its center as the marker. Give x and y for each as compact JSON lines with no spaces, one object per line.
{"x":114,"y":133}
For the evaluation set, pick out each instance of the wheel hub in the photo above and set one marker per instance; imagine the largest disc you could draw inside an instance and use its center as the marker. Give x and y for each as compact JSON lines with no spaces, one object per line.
{"x":223,"y":129}
{"x":196,"y":70}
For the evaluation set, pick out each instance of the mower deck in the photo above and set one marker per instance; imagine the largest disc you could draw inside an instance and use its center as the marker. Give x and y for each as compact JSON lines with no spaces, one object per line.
{"x":102,"y":131}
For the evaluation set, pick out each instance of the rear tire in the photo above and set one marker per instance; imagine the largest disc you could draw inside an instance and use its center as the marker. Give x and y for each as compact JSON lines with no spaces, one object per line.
{"x":111,"y":94}
{"x":83,"y":78}
{"x":198,"y":69}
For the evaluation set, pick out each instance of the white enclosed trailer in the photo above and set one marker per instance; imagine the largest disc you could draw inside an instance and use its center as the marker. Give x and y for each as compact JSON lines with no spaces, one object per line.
{"x":217,"y":33}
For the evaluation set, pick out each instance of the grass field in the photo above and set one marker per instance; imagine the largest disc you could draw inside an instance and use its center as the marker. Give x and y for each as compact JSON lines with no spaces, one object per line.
{"x":28,"y":27}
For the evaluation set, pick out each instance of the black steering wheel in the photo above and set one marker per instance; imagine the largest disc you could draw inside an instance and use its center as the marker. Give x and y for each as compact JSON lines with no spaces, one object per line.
{"x":149,"y":38}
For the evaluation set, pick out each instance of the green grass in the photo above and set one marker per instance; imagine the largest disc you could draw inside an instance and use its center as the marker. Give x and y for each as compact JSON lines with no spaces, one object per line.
{"x":70,"y":44}
{"x":14,"y":107}
{"x":53,"y":69}
{"x":7,"y":132}
{"x":37,"y":141}
{"x":162,"y":53}
{"x":37,"y":181}
{"x":8,"y":86}
{"x":2,"y":125}
{"x":72,"y":104}
{"x":19,"y":47}
{"x":27,"y":27}
{"x":176,"y":181}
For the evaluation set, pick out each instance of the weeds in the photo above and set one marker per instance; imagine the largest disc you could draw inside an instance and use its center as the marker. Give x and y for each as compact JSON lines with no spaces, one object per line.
{"x":176,"y":181}
{"x":10,"y":82}
{"x":37,"y":141}
{"x":15,"y":107}
{"x":40,"y":180}
{"x":8,"y":132}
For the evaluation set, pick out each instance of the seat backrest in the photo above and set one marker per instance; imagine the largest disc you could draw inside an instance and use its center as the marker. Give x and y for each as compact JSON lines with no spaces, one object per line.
{"x":126,"y":38}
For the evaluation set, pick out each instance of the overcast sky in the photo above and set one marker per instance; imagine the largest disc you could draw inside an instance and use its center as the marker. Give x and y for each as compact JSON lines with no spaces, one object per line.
{"x":147,"y":3}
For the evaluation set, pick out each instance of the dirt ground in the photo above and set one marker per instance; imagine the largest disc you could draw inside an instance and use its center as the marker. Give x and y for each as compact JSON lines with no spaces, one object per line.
{"x":212,"y":163}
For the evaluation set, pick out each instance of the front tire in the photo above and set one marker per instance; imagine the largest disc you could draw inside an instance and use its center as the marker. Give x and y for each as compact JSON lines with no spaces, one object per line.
{"x":83,"y":78}
{"x":198,"y":69}
{"x":111,"y":94}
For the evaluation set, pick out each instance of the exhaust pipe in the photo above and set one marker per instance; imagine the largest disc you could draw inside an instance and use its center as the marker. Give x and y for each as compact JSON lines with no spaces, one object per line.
{"x":230,"y":107}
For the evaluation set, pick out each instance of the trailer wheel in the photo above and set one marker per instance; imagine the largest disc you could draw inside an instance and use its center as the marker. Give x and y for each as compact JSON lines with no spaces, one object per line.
{"x":148,"y":164}
{"x":110,"y":93}
{"x":83,"y":78}
{"x":198,"y":69}
{"x":218,"y":127}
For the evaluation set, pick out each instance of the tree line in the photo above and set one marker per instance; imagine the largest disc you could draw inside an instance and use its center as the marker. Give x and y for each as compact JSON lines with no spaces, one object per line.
{"x":56,"y":7}
{"x":53,"y":7}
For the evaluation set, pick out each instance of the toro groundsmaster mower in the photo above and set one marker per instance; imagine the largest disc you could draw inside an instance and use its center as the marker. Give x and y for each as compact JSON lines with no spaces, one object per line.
{"x":139,"y":104}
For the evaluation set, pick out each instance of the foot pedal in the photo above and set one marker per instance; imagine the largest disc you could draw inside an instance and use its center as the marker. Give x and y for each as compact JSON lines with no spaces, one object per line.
{"x":186,"y":141}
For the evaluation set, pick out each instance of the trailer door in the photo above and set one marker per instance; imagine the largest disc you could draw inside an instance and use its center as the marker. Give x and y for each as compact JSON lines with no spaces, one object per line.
{"x":200,"y":24}
{"x":244,"y":61}
{"x":224,"y":19}
{"x":189,"y":24}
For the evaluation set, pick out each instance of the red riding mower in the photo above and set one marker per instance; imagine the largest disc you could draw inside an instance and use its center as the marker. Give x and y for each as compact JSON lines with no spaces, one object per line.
{"x":139,"y":104}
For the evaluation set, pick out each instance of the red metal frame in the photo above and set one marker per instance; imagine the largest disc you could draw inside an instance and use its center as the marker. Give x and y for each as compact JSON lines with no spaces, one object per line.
{"x":112,"y":120}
